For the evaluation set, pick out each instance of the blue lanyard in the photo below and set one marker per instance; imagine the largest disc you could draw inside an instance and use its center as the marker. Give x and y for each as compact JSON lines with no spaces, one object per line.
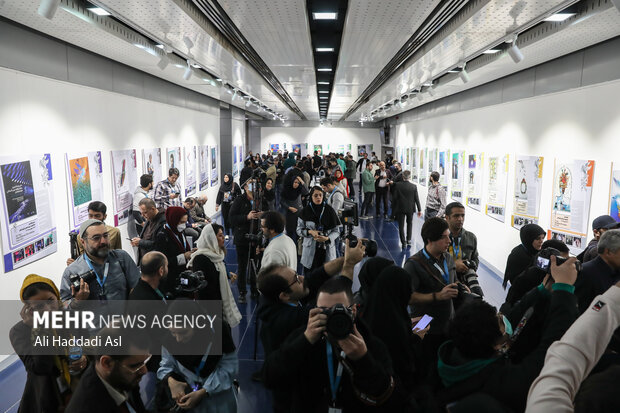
{"x":334,"y":382}
{"x":455,"y":249}
{"x":445,"y":273}
{"x":321,"y":215}
{"x":331,"y":194}
{"x":181,"y":238}
{"x":105,"y":271}
{"x":203,"y":361}
{"x":281,"y":233}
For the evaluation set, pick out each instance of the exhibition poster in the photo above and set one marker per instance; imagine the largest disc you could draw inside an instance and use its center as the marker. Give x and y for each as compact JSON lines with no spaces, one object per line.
{"x":361,"y":150}
{"x":124,"y":182}
{"x":335,"y":148}
{"x":214,"y":176}
{"x":297,"y":148}
{"x":318,"y":149}
{"x":190,"y":170}
{"x":151,"y":164}
{"x":274,"y":147}
{"x":85,"y":181}
{"x":570,"y":208}
{"x":457,"y":175}
{"x":614,"y":192}
{"x":528,"y":185}
{"x":28,"y":223}
{"x":432,"y":160}
{"x":475,"y":168}
{"x":414,"y":165}
{"x":497,"y":187}
{"x":235,"y":164}
{"x":400,"y":155}
{"x":203,"y":166}
{"x":173,"y":160}
{"x":422,"y":171}
{"x":408,"y":158}
{"x":442,"y":168}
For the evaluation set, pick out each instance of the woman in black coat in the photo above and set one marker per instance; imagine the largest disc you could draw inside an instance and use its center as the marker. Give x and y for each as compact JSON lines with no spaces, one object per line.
{"x":227,"y":193}
{"x":523,"y":255}
{"x":173,"y":244}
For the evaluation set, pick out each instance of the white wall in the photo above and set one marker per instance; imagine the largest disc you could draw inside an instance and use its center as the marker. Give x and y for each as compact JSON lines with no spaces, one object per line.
{"x":39,"y":115}
{"x":238,"y":139}
{"x":577,"y":124}
{"x":321,"y":135}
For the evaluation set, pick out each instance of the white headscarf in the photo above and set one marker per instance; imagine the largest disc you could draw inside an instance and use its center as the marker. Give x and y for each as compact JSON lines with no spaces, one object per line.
{"x":208,"y":246}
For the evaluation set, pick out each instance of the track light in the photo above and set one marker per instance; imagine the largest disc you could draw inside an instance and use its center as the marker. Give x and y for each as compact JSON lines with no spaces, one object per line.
{"x":431,"y":91}
{"x":163,"y":62}
{"x":463,"y":73}
{"x":616,"y":3}
{"x":514,"y":52}
{"x":425,"y":76}
{"x":48,"y":8}
{"x":188,"y":42}
{"x":188,"y":71}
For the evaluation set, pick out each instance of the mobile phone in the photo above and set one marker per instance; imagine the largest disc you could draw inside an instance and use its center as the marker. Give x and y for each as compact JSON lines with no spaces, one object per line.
{"x":424,"y":321}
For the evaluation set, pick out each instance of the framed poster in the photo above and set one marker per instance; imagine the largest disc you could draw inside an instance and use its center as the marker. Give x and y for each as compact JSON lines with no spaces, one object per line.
{"x":124,"y":182}
{"x":85,"y":181}
{"x":474,"y":178}
{"x":190,"y":170}
{"x":203,"y":167}
{"x":274,"y":147}
{"x":214,"y":175}
{"x":318,"y":149}
{"x":443,"y":168}
{"x":414,"y":165}
{"x":457,"y":175}
{"x":27,"y":207}
{"x":151,"y":164}
{"x":173,"y":159}
{"x":614,"y":192}
{"x":297,"y":148}
{"x":422,"y":172}
{"x":497,"y":187}
{"x":528,"y":186}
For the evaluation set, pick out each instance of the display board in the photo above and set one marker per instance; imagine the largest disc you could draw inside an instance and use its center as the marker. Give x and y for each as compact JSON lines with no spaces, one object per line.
{"x":203,"y":166}
{"x":475,"y":168}
{"x":318,"y":149}
{"x":570,"y":206}
{"x":614,"y":191}
{"x":28,"y":215}
{"x":235,"y":163}
{"x":85,"y":181}
{"x":431,"y":160}
{"x":443,"y":168}
{"x":124,"y":182}
{"x":214,"y":175}
{"x":362,"y":149}
{"x":151,"y":164}
{"x":407,"y":159}
{"x":497,"y":186}
{"x":528,"y":186}
{"x":422,"y":177}
{"x":297,"y":148}
{"x":173,"y":158}
{"x":457,"y":175}
{"x":414,"y":165}
{"x":274,"y":147}
{"x":337,"y":148}
{"x":190,"y":170}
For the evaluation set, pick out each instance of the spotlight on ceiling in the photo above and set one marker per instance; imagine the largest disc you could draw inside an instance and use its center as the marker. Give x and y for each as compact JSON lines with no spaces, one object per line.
{"x":188,"y":42}
{"x":99,"y":11}
{"x":188,"y":71}
{"x":48,"y":8}
{"x":327,"y":83}
{"x":491,"y":51}
{"x":514,"y":52}
{"x":163,"y":62}
{"x":463,"y":74}
{"x":324,"y":69}
{"x":324,"y":15}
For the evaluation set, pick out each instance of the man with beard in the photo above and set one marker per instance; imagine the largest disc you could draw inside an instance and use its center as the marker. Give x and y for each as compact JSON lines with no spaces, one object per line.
{"x":97,"y":210}
{"x":111,"y":384}
{"x":115,"y":271}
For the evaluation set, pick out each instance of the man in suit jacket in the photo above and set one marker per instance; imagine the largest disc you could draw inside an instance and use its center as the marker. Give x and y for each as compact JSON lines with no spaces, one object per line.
{"x":405,"y":202}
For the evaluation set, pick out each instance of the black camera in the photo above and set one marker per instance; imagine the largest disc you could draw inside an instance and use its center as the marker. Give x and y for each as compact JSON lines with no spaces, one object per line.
{"x":339,"y":322}
{"x":190,"y":281}
{"x":470,"y":264}
{"x":88,"y":277}
{"x":350,"y":218}
{"x":543,"y":259}
{"x":258,"y":238}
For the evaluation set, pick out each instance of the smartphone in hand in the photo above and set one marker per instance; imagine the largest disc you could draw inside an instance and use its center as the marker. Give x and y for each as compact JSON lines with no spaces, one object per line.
{"x":423,"y":323}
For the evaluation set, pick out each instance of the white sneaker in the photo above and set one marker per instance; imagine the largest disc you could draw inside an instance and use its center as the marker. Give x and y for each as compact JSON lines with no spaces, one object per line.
{"x":226,"y":237}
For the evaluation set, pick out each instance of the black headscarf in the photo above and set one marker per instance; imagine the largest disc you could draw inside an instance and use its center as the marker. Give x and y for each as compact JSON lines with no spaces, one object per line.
{"x":323,"y":213}
{"x":528,"y":234}
{"x":269,"y":195}
{"x":368,"y":274}
{"x":288,"y":192}
{"x":227,"y":186}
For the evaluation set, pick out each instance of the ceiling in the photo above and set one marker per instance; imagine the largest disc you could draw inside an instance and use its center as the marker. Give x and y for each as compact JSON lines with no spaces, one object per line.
{"x":278,"y":30}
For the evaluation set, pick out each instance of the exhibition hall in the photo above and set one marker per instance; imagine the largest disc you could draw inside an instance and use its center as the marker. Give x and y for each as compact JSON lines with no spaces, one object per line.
{"x":309,"y":206}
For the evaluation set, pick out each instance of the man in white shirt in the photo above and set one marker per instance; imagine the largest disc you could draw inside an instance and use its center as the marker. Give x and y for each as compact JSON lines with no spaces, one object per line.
{"x":281,"y":249}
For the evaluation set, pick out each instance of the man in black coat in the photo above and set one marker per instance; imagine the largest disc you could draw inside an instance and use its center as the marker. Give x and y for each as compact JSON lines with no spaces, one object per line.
{"x":405,"y":202}
{"x":155,"y":221}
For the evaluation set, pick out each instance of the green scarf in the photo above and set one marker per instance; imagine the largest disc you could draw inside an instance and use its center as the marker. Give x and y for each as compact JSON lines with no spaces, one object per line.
{"x":451,"y":375}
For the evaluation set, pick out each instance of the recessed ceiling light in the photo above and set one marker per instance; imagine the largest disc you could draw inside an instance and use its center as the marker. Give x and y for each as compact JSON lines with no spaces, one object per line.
{"x":559,"y":17}
{"x":491,"y":51}
{"x":160,"y":46}
{"x":453,"y":71}
{"x":324,"y":69}
{"x":323,"y":91}
{"x":324,"y":49}
{"x":324,"y":15}
{"x":322,"y":83}
{"x":323,"y":97}
{"x":99,"y":11}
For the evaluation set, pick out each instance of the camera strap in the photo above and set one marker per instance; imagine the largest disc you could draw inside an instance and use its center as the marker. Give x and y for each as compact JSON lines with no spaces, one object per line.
{"x":445,"y":272}
{"x":105,"y":272}
{"x":334,"y":382}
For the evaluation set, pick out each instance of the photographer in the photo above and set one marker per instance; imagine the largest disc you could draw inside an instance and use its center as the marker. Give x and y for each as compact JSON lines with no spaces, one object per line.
{"x":244,"y":218}
{"x":227,"y":193}
{"x":318,"y":226}
{"x":335,"y":197}
{"x":463,"y":247}
{"x":111,"y":273}
{"x":281,"y":249}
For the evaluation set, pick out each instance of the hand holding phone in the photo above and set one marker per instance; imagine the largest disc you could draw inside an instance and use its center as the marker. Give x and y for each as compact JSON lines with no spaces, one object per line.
{"x":423,"y":323}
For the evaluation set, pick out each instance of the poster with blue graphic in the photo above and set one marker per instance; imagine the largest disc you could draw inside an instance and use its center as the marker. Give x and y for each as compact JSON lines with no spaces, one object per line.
{"x":614,"y":191}
{"x":235,"y":161}
{"x":124,"y":182}
{"x":190,"y":170}
{"x":203,"y":167}
{"x":214,"y":175}
{"x":85,"y":184}
{"x":29,"y":226}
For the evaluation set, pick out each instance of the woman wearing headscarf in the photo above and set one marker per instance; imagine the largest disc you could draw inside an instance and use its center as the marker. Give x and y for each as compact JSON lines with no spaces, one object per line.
{"x":269,"y":196}
{"x":368,"y":274}
{"x":523,"y":255}
{"x":318,"y":225}
{"x":199,"y":382}
{"x":227,"y":193}
{"x":342,"y":182}
{"x":49,"y":379}
{"x":293,"y":188}
{"x":209,"y":258}
{"x":387,"y":316}
{"x":173,"y":244}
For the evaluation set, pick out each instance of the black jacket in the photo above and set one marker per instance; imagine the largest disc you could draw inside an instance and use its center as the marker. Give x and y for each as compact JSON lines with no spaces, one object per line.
{"x":238,"y":217}
{"x":595,"y":278}
{"x":149,"y":233}
{"x":518,"y":261}
{"x":405,"y":198}
{"x":388,"y":176}
{"x":168,"y":246}
{"x":246,"y":173}
{"x":91,"y":396}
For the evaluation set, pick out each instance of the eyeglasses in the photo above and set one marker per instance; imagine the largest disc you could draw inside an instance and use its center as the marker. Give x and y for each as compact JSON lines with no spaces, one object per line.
{"x":143,"y":364}
{"x":98,"y":237}
{"x":297,"y":280}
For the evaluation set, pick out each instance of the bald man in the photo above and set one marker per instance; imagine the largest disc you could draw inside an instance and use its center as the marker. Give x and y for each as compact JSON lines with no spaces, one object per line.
{"x":154,"y":267}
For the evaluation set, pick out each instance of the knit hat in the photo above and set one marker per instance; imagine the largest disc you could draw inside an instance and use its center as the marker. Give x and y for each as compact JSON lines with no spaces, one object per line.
{"x":33,"y":279}
{"x":84,"y":225}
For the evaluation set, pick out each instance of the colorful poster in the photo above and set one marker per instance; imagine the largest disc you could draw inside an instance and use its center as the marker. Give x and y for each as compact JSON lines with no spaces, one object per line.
{"x":124,"y":182}
{"x":614,"y":192}
{"x":151,"y":164}
{"x":85,"y":180}
{"x":28,"y":216}
{"x":433,"y":165}
{"x":570,"y":207}
{"x":297,"y":148}
{"x":235,"y":164}
{"x":401,"y":157}
{"x":528,"y":185}
{"x":422,"y":172}
{"x":497,"y":187}
{"x":408,"y":158}
{"x":214,"y":175}
{"x":361,"y":150}
{"x":274,"y":147}
{"x":190,"y":170}
{"x":442,"y":168}
{"x":203,"y":167}
{"x":474,"y":178}
{"x":414,"y":165}
{"x":173,"y":159}
{"x":457,"y":175}
{"x":318,"y":149}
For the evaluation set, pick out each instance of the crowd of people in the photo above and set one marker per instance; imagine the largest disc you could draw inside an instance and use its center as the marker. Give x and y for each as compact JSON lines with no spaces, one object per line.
{"x":413,"y":338}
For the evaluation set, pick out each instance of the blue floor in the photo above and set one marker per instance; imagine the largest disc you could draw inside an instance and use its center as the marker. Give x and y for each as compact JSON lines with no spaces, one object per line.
{"x":253,"y":397}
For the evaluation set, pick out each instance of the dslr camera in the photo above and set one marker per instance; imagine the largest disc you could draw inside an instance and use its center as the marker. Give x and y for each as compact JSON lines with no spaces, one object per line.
{"x":257,"y":238}
{"x":190,"y":282}
{"x":88,"y":277}
{"x":543,"y":260}
{"x":339,"y":322}
{"x":349,"y":217}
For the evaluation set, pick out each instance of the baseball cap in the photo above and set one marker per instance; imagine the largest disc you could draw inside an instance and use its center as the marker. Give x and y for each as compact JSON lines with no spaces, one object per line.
{"x":84,"y":225}
{"x":604,"y":222}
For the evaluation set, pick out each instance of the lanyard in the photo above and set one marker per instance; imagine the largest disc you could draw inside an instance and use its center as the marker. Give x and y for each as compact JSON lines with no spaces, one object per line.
{"x":445,"y":273}
{"x":159,"y":293}
{"x":105,"y":271}
{"x":201,"y":365}
{"x":320,"y":216}
{"x":281,"y":233}
{"x":455,"y":249}
{"x":331,"y":194}
{"x":334,"y":382}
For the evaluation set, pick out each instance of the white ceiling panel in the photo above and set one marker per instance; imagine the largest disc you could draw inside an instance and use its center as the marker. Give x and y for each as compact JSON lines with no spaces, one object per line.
{"x":278,"y":31}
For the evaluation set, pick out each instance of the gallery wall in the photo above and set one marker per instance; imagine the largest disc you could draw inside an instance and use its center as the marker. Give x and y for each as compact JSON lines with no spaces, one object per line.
{"x":580,"y":124}
{"x":41,"y":115}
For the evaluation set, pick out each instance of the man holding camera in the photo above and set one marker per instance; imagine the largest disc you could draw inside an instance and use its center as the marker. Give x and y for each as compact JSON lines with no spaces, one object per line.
{"x":100,"y":273}
{"x":463,"y":247}
{"x":168,"y":191}
{"x":281,"y":249}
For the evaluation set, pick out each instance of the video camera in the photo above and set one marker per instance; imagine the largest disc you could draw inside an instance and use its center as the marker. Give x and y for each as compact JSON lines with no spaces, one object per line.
{"x":88,"y":277}
{"x":190,"y":282}
{"x":543,"y":260}
{"x":349,"y":217}
{"x":339,"y":322}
